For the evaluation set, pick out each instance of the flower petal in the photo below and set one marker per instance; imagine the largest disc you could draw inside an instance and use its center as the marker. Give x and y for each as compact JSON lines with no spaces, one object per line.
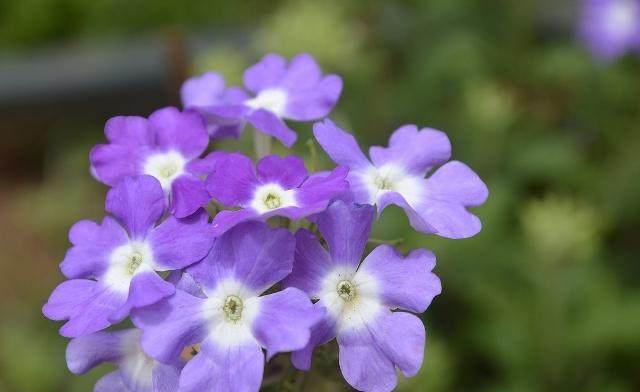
{"x":188,"y":193}
{"x":171,"y":325}
{"x":341,"y":146}
{"x":402,"y":337}
{"x":289,"y":172}
{"x":86,"y":352}
{"x":226,"y":220}
{"x":112,"y":162}
{"x":137,"y":202}
{"x":416,"y":220}
{"x":316,"y":102}
{"x":311,"y":264}
{"x":233,"y":180}
{"x":216,"y":368}
{"x":251,"y":253}
{"x":414,"y":151}
{"x":203,"y":90}
{"x":284,"y":321}
{"x":177,"y":243}
{"x":131,"y":131}
{"x":406,"y":283}
{"x":184,"y":132}
{"x":266,"y":73}
{"x":111,"y":382}
{"x":267,"y":122}
{"x":321,"y":333}
{"x":92,"y":245}
{"x":148,"y":288}
{"x":165,"y":378}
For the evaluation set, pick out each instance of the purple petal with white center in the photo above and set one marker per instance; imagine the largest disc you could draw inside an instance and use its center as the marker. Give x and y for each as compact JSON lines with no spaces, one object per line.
{"x":112,"y":162}
{"x":131,"y":131}
{"x":184,"y":132}
{"x":322,"y":332}
{"x":311,"y":264}
{"x":316,"y":102}
{"x":216,"y":368}
{"x":346,"y":228}
{"x":177,"y":243}
{"x":269,"y":123}
{"x":188,"y":193}
{"x":233,"y":182}
{"x":87,"y":305}
{"x":86,"y":352}
{"x":251,"y":253}
{"x":451,"y":189}
{"x":92,"y":244}
{"x":147,"y":288}
{"x":289,"y":172}
{"x":415,"y":151}
{"x":268,"y":72}
{"x":137,"y":202}
{"x":341,"y":146}
{"x":405,"y":283}
{"x":204,"y":90}
{"x":171,"y":325}
{"x":226,"y":220}
{"x":284,"y":321}
{"x":111,"y":382}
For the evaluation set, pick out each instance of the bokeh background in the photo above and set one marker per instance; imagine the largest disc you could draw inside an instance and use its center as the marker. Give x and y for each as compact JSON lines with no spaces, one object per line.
{"x":545,"y":298}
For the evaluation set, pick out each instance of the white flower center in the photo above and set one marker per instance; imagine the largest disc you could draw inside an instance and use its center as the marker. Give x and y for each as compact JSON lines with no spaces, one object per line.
{"x":232,"y":308}
{"x":395,"y":179}
{"x":272,"y":99}
{"x":126,"y":261}
{"x":272,"y":196}
{"x":621,"y":16}
{"x":135,"y":363}
{"x":351,"y":298}
{"x":166,"y":167}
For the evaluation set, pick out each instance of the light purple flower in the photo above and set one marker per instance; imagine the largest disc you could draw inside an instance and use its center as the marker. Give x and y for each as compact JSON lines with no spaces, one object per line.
{"x":357,"y":299}
{"x":276,"y":187}
{"x":112,"y":265}
{"x":218,"y":304}
{"x":610,"y":28}
{"x":165,"y":146}
{"x":208,"y":95}
{"x":396,"y":175}
{"x":136,"y":372}
{"x":278,"y":91}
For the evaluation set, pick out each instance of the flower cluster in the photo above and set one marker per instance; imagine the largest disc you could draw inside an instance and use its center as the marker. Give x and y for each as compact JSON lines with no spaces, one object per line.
{"x":191,"y":255}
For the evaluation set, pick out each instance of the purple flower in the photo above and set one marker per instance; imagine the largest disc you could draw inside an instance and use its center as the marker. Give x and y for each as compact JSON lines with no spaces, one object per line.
{"x":295,"y":91}
{"x":277,"y":187}
{"x":164,"y":146}
{"x":207,"y":95}
{"x":610,"y":28}
{"x":136,"y":372}
{"x":111,"y":265}
{"x":357,"y":300}
{"x":395,"y":175}
{"x":218,"y":304}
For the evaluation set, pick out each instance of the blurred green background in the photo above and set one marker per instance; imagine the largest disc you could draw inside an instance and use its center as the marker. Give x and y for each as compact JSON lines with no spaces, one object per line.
{"x":545,"y":298}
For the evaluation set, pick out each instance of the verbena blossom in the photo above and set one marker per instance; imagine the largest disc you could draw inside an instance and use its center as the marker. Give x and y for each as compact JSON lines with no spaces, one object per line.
{"x":219,"y":305}
{"x":165,"y":146}
{"x":610,"y":28}
{"x":357,"y":299}
{"x":206,"y":94}
{"x":112,"y":266}
{"x":137,"y":372}
{"x":276,"y":187}
{"x":396,"y":175}
{"x":278,"y":91}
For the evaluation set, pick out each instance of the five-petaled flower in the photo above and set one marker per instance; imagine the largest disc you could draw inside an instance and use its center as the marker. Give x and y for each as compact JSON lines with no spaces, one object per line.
{"x":277,"y":187}
{"x":165,"y":146}
{"x":112,"y":266}
{"x":219,"y":305}
{"x":277,"y":91}
{"x":358,"y":298}
{"x":395,"y":175}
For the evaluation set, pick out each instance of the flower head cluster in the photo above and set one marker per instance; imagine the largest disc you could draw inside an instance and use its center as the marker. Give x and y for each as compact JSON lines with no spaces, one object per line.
{"x":276,"y":263}
{"x":610,"y":28}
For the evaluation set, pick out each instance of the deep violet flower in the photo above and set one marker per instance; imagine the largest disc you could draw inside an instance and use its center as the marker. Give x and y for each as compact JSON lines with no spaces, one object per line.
{"x":136,"y":371}
{"x":277,"y":91}
{"x":112,"y":265}
{"x":165,"y":146}
{"x":276,"y":187}
{"x":219,"y":305}
{"x":357,"y":299}
{"x":610,"y":28}
{"x":396,"y":175}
